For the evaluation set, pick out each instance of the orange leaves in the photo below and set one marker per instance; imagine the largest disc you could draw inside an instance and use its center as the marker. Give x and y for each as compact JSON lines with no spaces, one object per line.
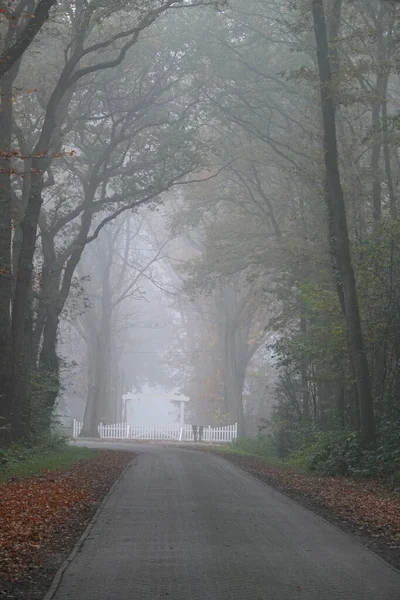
{"x":16,"y":92}
{"x":14,"y":18}
{"x":10,"y":154}
{"x":8,"y":14}
{"x":29,"y":511}
{"x":33,"y":510}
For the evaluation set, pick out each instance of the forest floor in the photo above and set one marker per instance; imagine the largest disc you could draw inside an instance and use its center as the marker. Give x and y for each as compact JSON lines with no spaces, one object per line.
{"x":366,"y":509}
{"x":43,"y":515}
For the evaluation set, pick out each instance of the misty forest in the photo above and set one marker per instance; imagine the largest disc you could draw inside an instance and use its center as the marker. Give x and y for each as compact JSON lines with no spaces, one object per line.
{"x":202,"y":197}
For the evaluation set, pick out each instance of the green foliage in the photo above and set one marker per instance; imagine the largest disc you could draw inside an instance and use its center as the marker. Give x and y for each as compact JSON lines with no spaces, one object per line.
{"x":328,"y":441}
{"x":289,"y":437}
{"x":44,"y":383}
{"x":341,"y":453}
{"x":260,"y":446}
{"x":52,"y":453}
{"x":320,"y":454}
{"x":324,"y":341}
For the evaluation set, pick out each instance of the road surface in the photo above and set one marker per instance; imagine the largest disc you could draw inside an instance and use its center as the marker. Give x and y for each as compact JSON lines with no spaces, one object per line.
{"x":185,"y":525}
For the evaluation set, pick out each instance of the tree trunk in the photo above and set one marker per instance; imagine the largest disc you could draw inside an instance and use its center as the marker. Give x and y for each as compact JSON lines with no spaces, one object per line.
{"x":21,"y":322}
{"x":385,"y":124}
{"x":336,"y":208}
{"x":90,"y":423}
{"x":375,"y":156}
{"x":49,"y":367}
{"x":388,"y":167}
{"x":46,"y":328}
{"x":233,"y":381}
{"x":340,"y":398}
{"x":304,"y":377}
{"x":5,"y":257}
{"x":99,"y":405}
{"x":21,"y":380}
{"x":53,"y":297}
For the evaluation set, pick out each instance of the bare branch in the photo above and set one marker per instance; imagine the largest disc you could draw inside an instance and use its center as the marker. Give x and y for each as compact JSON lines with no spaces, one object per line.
{"x":27,"y":35}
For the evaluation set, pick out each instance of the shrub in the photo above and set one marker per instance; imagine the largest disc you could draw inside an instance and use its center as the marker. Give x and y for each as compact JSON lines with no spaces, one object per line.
{"x":315,"y":444}
{"x":343,"y":454}
{"x":336,"y":454}
{"x":22,"y":453}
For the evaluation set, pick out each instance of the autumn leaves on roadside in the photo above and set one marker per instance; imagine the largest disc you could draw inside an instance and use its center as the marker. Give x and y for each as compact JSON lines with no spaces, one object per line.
{"x":33,"y":511}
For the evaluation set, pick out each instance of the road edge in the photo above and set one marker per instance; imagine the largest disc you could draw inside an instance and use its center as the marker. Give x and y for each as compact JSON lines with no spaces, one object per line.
{"x":315,"y":514}
{"x":61,"y":570}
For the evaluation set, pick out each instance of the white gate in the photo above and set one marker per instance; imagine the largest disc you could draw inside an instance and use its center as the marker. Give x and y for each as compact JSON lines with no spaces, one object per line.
{"x":120,"y":431}
{"x":154,"y":432}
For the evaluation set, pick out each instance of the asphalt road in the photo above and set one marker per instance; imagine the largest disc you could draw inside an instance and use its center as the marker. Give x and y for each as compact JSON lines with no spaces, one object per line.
{"x":185,"y":525}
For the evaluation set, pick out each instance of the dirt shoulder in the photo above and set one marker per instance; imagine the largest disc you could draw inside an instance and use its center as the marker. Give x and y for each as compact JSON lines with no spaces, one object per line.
{"x":364,"y":509}
{"x":42,"y":517}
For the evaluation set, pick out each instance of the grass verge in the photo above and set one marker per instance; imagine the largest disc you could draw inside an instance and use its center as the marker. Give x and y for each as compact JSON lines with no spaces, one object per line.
{"x":21,"y":462}
{"x":261,"y":448}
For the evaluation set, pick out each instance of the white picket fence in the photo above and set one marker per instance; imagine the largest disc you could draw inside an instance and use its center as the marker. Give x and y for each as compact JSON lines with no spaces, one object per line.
{"x":227,"y":433}
{"x":120,"y":431}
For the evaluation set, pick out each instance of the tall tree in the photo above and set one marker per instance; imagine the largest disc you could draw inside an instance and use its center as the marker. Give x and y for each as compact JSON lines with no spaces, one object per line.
{"x":88,"y":52}
{"x":339,"y":230}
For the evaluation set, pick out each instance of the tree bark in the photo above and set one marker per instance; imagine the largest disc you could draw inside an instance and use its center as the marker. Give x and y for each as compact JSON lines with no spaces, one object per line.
{"x":336,"y":208}
{"x":340,"y":405}
{"x":5,"y":256}
{"x":8,"y":274}
{"x":233,"y":379}
{"x":375,"y":156}
{"x":99,"y":407}
{"x":53,"y":297}
{"x":90,"y":423}
{"x":304,"y":378}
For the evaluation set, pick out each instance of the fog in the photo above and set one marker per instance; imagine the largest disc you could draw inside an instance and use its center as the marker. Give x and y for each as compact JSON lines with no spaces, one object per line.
{"x":200,"y":198}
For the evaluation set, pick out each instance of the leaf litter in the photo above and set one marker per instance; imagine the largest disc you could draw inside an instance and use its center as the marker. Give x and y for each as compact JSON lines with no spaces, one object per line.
{"x":42,"y":517}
